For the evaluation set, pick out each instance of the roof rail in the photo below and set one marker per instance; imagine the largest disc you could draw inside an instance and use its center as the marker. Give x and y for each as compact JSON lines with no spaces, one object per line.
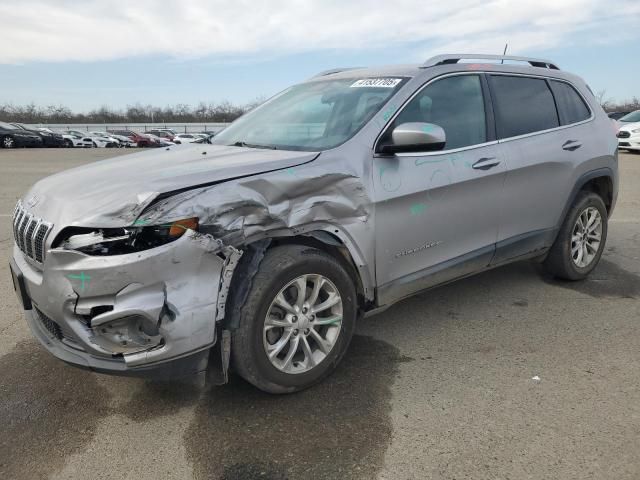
{"x":334,"y":70}
{"x":454,"y":58}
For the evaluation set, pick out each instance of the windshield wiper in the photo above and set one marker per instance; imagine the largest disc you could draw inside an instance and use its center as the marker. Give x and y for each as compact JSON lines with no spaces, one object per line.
{"x":252,"y":145}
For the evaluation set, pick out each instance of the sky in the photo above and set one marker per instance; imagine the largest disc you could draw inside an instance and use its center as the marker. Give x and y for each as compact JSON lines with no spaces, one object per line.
{"x":88,"y":53}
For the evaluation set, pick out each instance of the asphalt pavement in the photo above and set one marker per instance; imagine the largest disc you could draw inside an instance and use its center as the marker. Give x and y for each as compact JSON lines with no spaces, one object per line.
{"x":508,"y":374}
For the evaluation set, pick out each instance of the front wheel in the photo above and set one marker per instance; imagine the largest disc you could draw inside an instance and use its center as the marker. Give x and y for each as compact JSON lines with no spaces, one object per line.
{"x":580,"y":242}
{"x":297,"y":322}
{"x":8,"y":142}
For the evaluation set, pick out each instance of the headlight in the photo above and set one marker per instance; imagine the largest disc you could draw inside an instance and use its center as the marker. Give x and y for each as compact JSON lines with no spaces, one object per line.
{"x":120,"y":241}
{"x":637,"y":130}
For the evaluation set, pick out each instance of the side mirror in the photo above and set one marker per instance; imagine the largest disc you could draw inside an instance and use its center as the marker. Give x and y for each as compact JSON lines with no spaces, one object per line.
{"x":415,"y":137}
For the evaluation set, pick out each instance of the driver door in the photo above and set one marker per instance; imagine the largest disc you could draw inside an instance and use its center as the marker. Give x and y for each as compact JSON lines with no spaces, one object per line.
{"x":437,"y":213}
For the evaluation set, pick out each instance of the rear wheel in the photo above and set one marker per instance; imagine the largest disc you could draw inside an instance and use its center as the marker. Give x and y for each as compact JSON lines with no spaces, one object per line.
{"x":8,"y":142}
{"x":580,"y":242}
{"x":297,"y":322}
{"x":68,"y":143}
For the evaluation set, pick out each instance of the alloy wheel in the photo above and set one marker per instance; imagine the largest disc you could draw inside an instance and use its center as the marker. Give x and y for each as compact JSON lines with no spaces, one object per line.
{"x":586,"y":237}
{"x":302,"y":324}
{"x":8,"y":142}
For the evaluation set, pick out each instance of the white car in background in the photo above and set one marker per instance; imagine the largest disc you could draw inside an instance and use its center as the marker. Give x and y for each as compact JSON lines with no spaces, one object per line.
{"x":71,"y":140}
{"x":187,"y":138}
{"x":629,"y":132}
{"x":125,"y":142}
{"x":107,"y":139}
{"x":96,"y":141}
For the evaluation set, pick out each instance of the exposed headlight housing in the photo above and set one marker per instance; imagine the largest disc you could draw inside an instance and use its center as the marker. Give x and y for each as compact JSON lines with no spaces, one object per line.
{"x":120,"y":241}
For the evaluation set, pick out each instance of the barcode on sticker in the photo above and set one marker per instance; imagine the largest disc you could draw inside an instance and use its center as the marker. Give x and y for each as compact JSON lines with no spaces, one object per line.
{"x":376,"y":82}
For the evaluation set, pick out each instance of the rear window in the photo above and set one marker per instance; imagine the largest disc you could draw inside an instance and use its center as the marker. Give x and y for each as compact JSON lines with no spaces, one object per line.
{"x":571,"y":106}
{"x":522,"y":105}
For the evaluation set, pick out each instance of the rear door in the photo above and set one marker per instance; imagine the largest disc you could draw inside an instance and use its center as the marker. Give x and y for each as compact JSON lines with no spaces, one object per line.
{"x":437,"y":213}
{"x":539,"y":171}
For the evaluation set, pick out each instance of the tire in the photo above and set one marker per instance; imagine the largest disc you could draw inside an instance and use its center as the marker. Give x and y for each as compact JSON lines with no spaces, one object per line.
{"x":561,"y":261}
{"x":8,"y":142}
{"x":249,"y":343}
{"x":94,"y":145}
{"x":68,"y":143}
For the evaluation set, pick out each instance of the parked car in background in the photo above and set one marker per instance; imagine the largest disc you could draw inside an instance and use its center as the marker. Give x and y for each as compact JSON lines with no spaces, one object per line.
{"x":49,"y":138}
{"x":13,"y":137}
{"x":204,"y":137}
{"x":141,"y":140}
{"x":71,"y":140}
{"x":112,"y":141}
{"x":166,"y":134}
{"x":125,"y":142}
{"x":96,"y":141}
{"x":629,"y":132}
{"x":166,"y":129}
{"x":209,"y":135}
{"x":186,"y":137}
{"x":617,"y":115}
{"x":163,"y":142}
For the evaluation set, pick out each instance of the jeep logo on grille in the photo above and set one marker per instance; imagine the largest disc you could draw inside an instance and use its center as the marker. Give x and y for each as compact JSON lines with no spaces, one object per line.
{"x":33,"y":201}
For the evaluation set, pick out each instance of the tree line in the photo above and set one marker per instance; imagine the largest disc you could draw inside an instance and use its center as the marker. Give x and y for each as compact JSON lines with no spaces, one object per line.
{"x":182,"y":113}
{"x":610,"y":105}
{"x":179,"y":113}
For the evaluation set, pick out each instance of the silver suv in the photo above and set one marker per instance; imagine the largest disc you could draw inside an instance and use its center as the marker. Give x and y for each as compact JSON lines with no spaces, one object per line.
{"x":331,"y":201}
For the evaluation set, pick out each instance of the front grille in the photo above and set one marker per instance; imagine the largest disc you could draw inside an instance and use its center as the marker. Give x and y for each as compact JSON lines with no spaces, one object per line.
{"x":624,"y":144}
{"x":30,"y":233}
{"x":52,"y":327}
{"x":624,"y":134}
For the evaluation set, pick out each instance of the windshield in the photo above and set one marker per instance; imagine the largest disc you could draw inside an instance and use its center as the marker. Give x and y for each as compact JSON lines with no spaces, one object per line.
{"x":631,"y":117}
{"x":8,"y":126}
{"x":311,"y":116}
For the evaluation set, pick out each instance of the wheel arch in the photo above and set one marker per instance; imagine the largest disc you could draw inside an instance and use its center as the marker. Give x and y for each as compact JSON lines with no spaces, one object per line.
{"x":328,"y":238}
{"x":599,"y":181}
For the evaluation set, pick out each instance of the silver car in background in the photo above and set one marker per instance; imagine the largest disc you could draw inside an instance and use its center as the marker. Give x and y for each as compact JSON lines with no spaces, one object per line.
{"x":333,"y":200}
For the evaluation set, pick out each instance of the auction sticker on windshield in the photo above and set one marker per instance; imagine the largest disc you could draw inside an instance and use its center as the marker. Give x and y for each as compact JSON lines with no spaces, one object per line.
{"x":377,"y":82}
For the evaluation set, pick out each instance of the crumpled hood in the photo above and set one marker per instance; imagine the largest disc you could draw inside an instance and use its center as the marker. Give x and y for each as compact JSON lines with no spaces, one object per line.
{"x":112,"y":193}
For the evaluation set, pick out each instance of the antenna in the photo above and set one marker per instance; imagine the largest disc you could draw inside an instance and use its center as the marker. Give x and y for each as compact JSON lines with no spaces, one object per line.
{"x":506,"y":45}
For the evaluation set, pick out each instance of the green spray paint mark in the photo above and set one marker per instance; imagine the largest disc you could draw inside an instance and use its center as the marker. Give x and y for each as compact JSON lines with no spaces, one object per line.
{"x":427,"y":128}
{"x":418,"y":209}
{"x":291,"y":172}
{"x":84,"y":280}
{"x":140,"y":221}
{"x":425,"y":161}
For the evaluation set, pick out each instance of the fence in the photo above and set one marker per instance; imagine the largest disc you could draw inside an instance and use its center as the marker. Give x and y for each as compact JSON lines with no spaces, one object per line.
{"x":136,"y":127}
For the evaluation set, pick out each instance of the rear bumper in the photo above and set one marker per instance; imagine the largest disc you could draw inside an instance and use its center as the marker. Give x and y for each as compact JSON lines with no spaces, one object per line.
{"x":151,"y":313}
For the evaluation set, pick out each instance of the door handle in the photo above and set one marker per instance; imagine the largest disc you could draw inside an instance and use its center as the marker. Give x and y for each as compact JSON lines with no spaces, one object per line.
{"x":571,"y":145}
{"x":485,"y":163}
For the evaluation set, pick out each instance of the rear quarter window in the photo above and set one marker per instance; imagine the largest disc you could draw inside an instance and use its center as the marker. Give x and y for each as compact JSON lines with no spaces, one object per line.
{"x":522,"y":105}
{"x":571,"y":106}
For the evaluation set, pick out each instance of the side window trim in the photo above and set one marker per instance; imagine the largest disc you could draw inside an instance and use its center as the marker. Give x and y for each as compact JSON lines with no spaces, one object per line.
{"x":490,"y":126}
{"x":555,"y":102}
{"x":577,"y":91}
{"x":561,"y":127}
{"x":489,"y":112}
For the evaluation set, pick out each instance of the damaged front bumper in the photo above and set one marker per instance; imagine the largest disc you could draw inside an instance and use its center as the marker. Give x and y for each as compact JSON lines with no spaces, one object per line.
{"x":142,"y":313}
